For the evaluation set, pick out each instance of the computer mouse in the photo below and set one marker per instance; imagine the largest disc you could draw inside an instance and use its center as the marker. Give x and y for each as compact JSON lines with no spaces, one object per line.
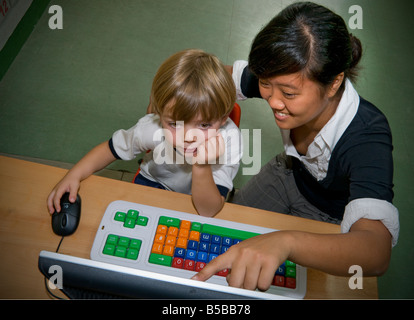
{"x":65,"y":222}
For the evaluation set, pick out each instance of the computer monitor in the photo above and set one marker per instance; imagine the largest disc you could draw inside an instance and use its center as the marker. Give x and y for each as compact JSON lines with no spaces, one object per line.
{"x":88,"y":279}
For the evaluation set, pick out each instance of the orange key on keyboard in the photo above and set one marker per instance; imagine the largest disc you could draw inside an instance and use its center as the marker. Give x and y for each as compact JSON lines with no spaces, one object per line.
{"x":159,"y":238}
{"x":168,"y":251}
{"x":157,"y":248}
{"x":185,"y":224}
{"x":182,"y":243}
{"x":194,"y":235}
{"x":183,"y":233}
{"x":173,"y":231}
{"x":162,"y":229}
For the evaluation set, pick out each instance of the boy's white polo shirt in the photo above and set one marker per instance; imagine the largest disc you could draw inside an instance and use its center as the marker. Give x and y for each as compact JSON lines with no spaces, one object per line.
{"x":175,"y":175}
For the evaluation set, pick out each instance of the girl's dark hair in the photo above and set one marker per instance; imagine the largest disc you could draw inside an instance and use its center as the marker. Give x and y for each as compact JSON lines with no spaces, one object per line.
{"x":306,"y":37}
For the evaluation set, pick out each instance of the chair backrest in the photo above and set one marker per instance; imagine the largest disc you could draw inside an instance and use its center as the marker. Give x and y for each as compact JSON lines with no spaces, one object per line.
{"x":235,"y":114}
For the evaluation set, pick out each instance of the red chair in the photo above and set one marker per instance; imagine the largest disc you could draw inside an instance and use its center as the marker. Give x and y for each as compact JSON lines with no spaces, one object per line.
{"x":234,"y":115}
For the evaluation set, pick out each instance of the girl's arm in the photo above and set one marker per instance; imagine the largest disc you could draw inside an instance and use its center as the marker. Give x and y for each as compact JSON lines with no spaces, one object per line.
{"x":95,"y":160}
{"x":206,"y":197}
{"x":253,"y":262}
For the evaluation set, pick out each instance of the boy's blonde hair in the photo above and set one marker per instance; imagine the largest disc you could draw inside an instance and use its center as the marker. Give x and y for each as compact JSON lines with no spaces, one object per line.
{"x":193,"y":82}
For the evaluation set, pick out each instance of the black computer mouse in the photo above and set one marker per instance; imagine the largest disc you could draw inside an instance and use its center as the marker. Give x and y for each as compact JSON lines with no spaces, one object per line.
{"x":65,"y":222}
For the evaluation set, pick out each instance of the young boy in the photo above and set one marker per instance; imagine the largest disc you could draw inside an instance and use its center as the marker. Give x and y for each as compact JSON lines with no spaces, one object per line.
{"x":192,"y":145}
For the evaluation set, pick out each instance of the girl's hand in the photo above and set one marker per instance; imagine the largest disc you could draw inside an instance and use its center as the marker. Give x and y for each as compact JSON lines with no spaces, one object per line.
{"x":252,"y":262}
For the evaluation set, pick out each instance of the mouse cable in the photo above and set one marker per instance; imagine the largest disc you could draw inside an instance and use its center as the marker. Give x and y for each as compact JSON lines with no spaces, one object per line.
{"x":60,"y":242}
{"x":46,"y":284}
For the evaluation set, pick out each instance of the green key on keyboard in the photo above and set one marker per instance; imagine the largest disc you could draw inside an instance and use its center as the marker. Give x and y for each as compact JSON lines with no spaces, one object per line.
{"x":227,"y":232}
{"x":131,"y":219}
{"x":169,"y":222}
{"x":160,"y":259}
{"x":122,"y":247}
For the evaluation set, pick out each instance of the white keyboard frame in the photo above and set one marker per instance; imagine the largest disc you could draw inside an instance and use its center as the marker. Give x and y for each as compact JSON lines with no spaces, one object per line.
{"x":147,"y":233}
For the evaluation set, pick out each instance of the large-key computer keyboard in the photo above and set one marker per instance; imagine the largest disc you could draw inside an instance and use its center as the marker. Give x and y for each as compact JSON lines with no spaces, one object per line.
{"x":180,"y":244}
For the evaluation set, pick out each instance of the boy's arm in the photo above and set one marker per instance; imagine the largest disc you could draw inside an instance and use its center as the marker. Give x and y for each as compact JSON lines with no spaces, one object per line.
{"x":95,"y":160}
{"x":206,"y":197}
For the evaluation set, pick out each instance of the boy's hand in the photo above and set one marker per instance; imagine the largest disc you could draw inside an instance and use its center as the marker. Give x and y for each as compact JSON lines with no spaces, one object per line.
{"x":65,"y":185}
{"x":95,"y":160}
{"x":209,"y":151}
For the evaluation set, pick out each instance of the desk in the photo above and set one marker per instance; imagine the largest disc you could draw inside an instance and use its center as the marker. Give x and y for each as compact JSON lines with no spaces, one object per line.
{"x":25,"y":227}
